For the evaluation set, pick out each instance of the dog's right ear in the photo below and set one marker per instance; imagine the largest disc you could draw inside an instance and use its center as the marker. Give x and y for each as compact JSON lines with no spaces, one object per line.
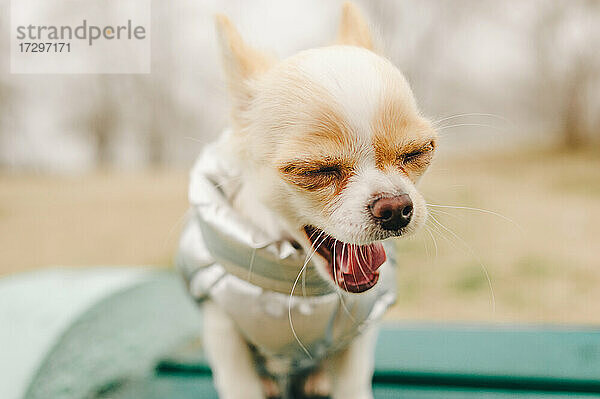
{"x":242,"y":64}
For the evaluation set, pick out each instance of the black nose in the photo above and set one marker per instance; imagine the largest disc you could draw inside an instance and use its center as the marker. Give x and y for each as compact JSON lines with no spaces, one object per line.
{"x":392,"y":213}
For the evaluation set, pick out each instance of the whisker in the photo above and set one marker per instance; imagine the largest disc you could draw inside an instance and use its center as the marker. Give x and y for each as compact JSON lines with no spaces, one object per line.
{"x":315,"y":249}
{"x":356,"y":258}
{"x":290,"y":314}
{"x":432,"y":239}
{"x":359,"y":264}
{"x":468,"y":208}
{"x":440,"y":128}
{"x":438,"y":212}
{"x":311,"y":236}
{"x":342,"y":302}
{"x":309,"y":257}
{"x":304,"y":283}
{"x":304,"y":274}
{"x":352,"y":254}
{"x":472,"y":253}
{"x":426,"y":245}
{"x":177,"y":225}
{"x":343,"y":250}
{"x":472,"y":114}
{"x":437,"y":230}
{"x":251,"y":264}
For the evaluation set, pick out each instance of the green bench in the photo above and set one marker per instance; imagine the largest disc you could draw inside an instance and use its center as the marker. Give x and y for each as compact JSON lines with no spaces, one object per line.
{"x":133,"y":333}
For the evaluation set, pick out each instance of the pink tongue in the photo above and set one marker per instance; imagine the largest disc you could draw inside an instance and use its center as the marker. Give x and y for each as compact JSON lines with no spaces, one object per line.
{"x":359,"y":264}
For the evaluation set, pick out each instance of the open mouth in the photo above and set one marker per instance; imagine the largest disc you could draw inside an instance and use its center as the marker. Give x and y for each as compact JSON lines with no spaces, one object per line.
{"x":353,"y":267}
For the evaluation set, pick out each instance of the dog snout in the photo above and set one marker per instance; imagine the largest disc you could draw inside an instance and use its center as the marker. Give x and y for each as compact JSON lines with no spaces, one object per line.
{"x":392,"y":213}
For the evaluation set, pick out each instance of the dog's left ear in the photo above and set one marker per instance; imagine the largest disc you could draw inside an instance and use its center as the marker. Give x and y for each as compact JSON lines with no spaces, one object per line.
{"x":242,"y":64}
{"x":354,"y":29}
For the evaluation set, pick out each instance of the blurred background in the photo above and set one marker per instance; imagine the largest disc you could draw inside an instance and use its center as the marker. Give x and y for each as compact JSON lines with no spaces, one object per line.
{"x":93,"y":168}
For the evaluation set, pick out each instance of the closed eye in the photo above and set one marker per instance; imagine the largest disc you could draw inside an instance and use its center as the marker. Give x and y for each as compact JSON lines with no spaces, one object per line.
{"x":412,"y":156}
{"x":325,"y":170}
{"x":314,"y":175}
{"x":417,"y":155}
{"x":313,"y":168}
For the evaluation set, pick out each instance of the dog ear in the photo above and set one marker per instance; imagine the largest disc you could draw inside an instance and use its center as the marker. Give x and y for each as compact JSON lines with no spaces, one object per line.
{"x":241,"y":62}
{"x":354,"y":29}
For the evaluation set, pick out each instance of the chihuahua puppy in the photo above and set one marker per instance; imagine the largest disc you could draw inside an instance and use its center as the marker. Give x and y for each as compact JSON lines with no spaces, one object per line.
{"x":329,"y":144}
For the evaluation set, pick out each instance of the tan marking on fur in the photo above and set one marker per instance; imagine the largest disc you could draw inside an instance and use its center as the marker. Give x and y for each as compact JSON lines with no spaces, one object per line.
{"x":326,"y":142}
{"x":397,"y":132}
{"x":354,"y":29}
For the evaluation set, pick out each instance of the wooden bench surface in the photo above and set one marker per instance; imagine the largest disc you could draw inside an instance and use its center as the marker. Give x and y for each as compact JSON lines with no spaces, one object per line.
{"x":140,"y":340}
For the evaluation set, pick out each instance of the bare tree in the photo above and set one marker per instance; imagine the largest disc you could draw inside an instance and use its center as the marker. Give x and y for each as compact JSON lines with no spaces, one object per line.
{"x":156,"y":116}
{"x":155,"y":91}
{"x":100,"y":118}
{"x":566,"y":69}
{"x":103,"y":121}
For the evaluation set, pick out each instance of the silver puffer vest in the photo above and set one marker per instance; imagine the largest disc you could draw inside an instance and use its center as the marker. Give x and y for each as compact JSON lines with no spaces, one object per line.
{"x":225,"y":258}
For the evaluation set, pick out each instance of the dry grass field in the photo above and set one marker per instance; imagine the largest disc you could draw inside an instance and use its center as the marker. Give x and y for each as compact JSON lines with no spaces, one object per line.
{"x":542,"y":254}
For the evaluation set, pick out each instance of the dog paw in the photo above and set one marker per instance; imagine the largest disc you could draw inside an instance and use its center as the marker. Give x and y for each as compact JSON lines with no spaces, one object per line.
{"x":317,"y":385}
{"x":270,"y":388}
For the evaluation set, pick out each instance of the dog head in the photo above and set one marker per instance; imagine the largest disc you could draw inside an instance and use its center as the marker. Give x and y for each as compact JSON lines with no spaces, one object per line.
{"x":333,"y":143}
